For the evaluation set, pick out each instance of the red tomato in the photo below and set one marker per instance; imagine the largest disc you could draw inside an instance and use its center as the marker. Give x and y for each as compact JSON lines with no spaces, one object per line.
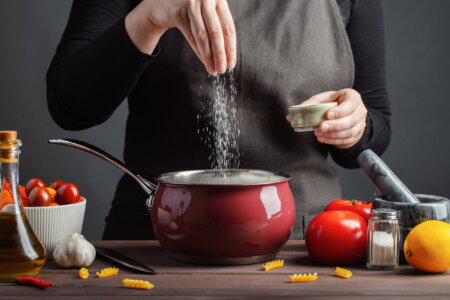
{"x":39,"y":196}
{"x":57,"y":184}
{"x":360,"y":207}
{"x":52,"y":193}
{"x":32,"y":183}
{"x":24,"y":196}
{"x":68,"y":194}
{"x":22,"y":192}
{"x":337,"y":237}
{"x":25,"y":202}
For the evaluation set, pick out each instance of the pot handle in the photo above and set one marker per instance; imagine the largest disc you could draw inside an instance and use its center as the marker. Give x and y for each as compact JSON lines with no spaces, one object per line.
{"x":148,"y":186}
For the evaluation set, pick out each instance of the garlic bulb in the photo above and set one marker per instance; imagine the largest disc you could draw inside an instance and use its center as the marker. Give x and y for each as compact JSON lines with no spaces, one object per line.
{"x":74,"y":251}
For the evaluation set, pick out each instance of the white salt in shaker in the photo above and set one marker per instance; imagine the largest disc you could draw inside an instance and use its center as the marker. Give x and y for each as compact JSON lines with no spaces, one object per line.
{"x":383,"y":238}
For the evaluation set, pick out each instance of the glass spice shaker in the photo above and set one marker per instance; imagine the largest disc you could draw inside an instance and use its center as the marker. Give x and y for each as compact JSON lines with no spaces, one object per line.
{"x":383,"y":239}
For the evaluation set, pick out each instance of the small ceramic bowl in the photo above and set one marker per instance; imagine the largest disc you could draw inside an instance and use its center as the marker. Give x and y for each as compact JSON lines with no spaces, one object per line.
{"x":308,"y":117}
{"x":53,"y":223}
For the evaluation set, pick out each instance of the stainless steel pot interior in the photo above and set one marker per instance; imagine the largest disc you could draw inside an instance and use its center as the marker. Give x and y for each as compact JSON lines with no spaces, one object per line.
{"x":242,"y":177}
{"x":226,"y":177}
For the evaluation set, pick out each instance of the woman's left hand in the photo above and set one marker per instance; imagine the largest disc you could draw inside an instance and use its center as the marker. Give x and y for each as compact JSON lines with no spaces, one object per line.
{"x":345,"y":123}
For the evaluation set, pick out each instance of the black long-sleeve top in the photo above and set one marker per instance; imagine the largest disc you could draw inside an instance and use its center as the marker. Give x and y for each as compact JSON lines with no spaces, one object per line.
{"x":96,"y":67}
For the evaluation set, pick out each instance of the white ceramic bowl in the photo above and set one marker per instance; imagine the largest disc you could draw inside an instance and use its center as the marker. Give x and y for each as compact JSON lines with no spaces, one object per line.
{"x":53,"y":223}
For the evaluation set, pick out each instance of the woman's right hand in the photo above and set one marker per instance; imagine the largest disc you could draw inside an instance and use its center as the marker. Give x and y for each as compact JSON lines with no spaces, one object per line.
{"x":206,"y":24}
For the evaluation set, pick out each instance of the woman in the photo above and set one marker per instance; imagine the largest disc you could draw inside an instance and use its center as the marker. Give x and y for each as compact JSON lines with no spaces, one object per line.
{"x":283,"y":53}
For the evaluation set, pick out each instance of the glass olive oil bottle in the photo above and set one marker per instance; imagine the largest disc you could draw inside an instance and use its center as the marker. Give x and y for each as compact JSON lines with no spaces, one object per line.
{"x":21,"y":253}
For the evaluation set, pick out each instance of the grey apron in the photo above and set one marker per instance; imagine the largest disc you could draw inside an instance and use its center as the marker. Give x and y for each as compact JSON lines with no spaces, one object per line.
{"x":288,"y":50}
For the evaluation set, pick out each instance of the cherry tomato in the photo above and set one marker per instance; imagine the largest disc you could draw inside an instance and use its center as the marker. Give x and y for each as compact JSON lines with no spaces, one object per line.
{"x":57,"y":184}
{"x":337,"y":237}
{"x":39,"y":196}
{"x":68,"y":194}
{"x":24,"y":196}
{"x":360,"y":207}
{"x":32,"y":183}
{"x":25,"y":202}
{"x":52,"y":193}
{"x":22,"y":192}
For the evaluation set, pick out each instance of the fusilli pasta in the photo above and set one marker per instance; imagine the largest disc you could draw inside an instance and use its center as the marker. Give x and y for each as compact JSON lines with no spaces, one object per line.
{"x":274,"y":264}
{"x":83,"y":273}
{"x":107,"y":272}
{"x":343,"y":273}
{"x":137,"y":284}
{"x":303,"y":277}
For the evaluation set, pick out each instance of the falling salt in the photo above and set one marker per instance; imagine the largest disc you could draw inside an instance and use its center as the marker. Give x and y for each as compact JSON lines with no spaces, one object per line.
{"x":218,"y":123}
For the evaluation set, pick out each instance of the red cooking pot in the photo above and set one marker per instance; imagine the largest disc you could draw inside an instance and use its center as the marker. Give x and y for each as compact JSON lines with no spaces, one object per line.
{"x":232,"y":216}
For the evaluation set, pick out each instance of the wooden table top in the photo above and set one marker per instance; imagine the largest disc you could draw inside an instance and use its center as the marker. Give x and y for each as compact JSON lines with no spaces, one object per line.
{"x":176,"y":280}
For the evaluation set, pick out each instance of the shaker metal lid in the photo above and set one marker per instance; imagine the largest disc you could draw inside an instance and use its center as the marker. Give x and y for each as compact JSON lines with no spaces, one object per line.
{"x":384,"y":213}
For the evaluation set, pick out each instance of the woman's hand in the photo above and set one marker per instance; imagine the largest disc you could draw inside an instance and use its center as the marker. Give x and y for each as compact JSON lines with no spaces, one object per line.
{"x":206,"y":24}
{"x":345,"y":123}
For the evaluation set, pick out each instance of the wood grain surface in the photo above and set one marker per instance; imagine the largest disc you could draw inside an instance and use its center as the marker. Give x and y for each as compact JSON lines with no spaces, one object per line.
{"x":176,"y":280}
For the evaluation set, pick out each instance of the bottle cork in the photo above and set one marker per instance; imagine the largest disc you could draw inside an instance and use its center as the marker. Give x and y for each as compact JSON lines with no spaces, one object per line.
{"x":8,"y":146}
{"x":8,"y":136}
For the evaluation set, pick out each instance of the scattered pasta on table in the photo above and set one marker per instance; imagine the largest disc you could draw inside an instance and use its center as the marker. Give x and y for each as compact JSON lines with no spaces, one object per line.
{"x":106,"y":272}
{"x":343,"y":273}
{"x":303,"y":277}
{"x":274,"y":264}
{"x":83,"y":273}
{"x":137,"y":284}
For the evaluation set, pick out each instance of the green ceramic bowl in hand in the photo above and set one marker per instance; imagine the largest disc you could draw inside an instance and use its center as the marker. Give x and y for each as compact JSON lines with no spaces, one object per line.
{"x":308,"y":117}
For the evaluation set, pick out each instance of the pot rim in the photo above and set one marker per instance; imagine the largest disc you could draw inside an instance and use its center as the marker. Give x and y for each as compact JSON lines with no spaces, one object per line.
{"x":179,"y":177}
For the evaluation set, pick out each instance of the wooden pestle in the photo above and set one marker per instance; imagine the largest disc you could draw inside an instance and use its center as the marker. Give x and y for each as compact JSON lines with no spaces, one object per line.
{"x":389,"y":185}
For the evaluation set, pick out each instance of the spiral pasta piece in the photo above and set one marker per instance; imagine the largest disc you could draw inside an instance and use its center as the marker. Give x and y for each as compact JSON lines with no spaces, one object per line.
{"x":83,"y":273}
{"x":274,"y":264}
{"x":303,"y":277}
{"x":343,"y":273}
{"x":106,"y":272}
{"x":137,"y":284}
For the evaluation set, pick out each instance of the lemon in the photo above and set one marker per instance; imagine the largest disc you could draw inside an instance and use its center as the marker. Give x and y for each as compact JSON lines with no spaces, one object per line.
{"x":427,"y":246}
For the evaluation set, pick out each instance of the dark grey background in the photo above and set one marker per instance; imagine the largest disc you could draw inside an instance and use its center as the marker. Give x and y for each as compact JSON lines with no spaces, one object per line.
{"x":418,"y":73}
